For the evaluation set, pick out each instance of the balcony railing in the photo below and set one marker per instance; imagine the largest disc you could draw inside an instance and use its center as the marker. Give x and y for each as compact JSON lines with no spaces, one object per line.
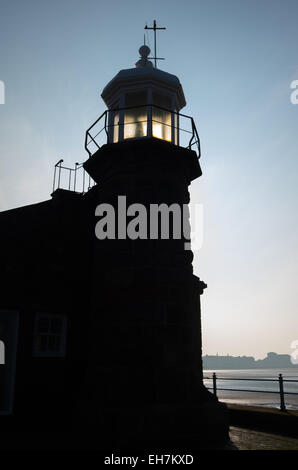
{"x":280,"y":381}
{"x":73,"y":179}
{"x":116,"y":125}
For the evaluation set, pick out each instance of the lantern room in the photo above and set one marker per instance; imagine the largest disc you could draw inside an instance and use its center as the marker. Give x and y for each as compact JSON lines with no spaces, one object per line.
{"x":143,"y":102}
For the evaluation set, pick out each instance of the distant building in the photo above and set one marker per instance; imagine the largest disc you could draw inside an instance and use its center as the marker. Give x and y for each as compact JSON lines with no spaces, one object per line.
{"x":272,"y":361}
{"x":275,"y":361}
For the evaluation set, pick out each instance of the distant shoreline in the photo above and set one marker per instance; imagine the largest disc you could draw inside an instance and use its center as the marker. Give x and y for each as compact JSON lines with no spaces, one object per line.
{"x":271,"y":361}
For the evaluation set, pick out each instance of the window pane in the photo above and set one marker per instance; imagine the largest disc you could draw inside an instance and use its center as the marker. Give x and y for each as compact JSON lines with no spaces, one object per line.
{"x":136,"y":99}
{"x":135,"y":123}
{"x":116,"y":127}
{"x":135,"y":118}
{"x":43,"y":324}
{"x":164,"y":101}
{"x":54,"y":343}
{"x":161,"y":118}
{"x":49,"y":335}
{"x":43,"y":342}
{"x":56,"y":325}
{"x":38,"y":342}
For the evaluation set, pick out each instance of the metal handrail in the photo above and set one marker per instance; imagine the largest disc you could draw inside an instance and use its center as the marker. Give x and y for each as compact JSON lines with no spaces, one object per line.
{"x":254,"y":380}
{"x":280,"y":380}
{"x":194,"y":140}
{"x":71,"y":186}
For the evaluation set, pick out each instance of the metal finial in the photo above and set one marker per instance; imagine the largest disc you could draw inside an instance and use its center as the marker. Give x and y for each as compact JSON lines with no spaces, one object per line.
{"x":144,"y":52}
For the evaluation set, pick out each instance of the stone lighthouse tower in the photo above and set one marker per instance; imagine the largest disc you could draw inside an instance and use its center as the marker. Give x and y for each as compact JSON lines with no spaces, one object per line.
{"x":143,"y":383}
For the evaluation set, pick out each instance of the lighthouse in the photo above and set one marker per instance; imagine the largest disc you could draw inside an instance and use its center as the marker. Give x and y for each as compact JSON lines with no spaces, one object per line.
{"x":144,"y":382}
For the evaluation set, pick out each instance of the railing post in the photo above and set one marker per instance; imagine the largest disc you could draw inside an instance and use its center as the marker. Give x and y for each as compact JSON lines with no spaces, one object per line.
{"x":281,"y":393}
{"x":177,"y":130}
{"x":83,"y":180}
{"x":54,"y":182}
{"x":214,"y":383}
{"x":108,"y":117}
{"x":173,"y":130}
{"x":75,"y":176}
{"x":121,"y":118}
{"x":58,"y":165}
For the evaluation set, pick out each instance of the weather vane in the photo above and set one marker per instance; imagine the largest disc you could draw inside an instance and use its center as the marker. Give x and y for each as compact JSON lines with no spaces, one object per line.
{"x":155,"y":28}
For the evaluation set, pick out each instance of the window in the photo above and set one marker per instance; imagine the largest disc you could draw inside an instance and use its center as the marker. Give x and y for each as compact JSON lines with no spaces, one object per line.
{"x":135,"y":118}
{"x":161,"y":118}
{"x":49,"y":335}
{"x":116,"y":127}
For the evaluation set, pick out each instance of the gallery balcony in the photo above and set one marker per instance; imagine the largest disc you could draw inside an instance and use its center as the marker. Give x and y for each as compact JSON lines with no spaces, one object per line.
{"x":141,"y":122}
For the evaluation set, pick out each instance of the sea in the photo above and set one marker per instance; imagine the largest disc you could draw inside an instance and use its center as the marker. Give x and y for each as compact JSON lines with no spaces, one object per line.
{"x":255,"y":392}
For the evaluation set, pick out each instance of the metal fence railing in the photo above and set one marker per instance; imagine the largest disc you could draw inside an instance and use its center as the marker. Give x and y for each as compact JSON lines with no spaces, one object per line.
{"x":280,"y":380}
{"x":116,"y":125}
{"x":73,"y":179}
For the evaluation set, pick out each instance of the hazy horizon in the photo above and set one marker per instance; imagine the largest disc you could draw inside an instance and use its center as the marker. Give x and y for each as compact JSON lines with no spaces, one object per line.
{"x":236,"y":61}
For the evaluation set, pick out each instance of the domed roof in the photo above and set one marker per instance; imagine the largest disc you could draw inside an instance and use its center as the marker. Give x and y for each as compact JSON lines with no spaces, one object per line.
{"x":146,"y":75}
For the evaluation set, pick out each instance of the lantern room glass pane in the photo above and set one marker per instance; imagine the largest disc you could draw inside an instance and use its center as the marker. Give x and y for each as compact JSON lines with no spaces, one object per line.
{"x":116,"y":127}
{"x":161,"y":118}
{"x":135,"y":118}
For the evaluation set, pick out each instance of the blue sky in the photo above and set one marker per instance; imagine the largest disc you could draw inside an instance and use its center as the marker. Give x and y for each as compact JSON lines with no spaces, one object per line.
{"x":235,"y":60}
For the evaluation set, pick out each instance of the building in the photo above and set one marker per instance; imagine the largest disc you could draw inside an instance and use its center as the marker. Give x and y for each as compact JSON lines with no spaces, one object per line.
{"x":105,"y":334}
{"x":228,"y":362}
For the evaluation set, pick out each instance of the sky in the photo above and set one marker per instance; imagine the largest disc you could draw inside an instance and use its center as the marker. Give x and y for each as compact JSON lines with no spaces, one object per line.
{"x":236,"y":61}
